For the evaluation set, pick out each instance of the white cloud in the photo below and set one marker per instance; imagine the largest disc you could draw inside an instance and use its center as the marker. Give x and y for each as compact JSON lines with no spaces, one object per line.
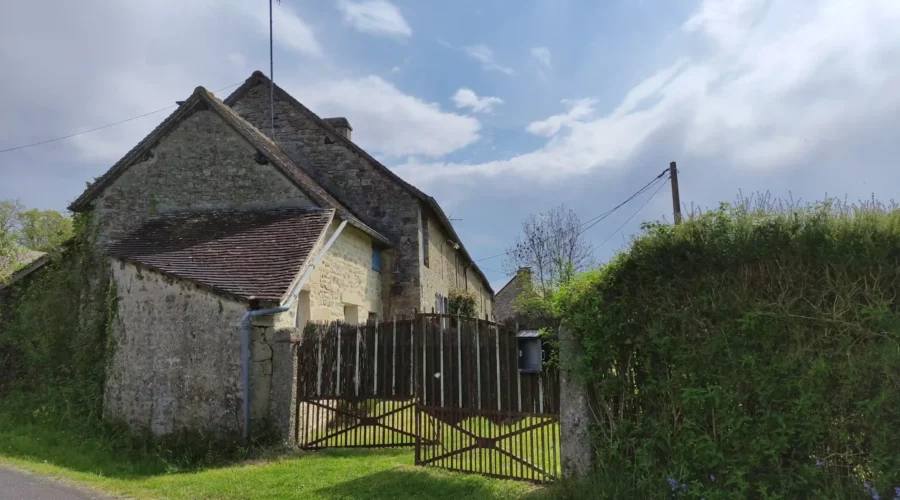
{"x":727,"y":22}
{"x":483,"y":54}
{"x":467,"y":98}
{"x":579,"y":109}
{"x":783,"y":81}
{"x":387,"y":121}
{"x":542,"y":54}
{"x":290,"y":30}
{"x":375,"y":17}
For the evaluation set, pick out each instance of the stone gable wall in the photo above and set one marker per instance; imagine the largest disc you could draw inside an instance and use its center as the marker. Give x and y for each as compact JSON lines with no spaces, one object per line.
{"x":375,"y":198}
{"x":505,"y":302}
{"x":202,"y":164}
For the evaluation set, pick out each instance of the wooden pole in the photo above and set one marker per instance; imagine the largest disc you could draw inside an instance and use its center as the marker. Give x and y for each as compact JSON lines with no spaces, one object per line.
{"x":676,"y":197}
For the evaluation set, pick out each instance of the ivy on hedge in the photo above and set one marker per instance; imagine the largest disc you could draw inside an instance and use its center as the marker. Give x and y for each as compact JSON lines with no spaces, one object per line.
{"x":55,"y":327}
{"x":749,"y":352}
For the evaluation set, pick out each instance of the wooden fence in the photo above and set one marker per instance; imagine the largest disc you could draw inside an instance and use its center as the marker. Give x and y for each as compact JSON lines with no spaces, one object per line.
{"x":449,"y":386}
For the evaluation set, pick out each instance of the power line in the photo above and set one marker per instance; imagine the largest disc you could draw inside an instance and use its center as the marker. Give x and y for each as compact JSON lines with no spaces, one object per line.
{"x":103,"y":127}
{"x":594,"y":220}
{"x":646,"y":187}
{"x":632,"y":217}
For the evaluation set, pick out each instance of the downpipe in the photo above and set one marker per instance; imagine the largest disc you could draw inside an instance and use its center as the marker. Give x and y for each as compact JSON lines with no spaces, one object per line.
{"x":245,"y":327}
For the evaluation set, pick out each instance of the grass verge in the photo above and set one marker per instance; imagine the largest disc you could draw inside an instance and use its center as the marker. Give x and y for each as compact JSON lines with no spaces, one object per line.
{"x":103,"y":464}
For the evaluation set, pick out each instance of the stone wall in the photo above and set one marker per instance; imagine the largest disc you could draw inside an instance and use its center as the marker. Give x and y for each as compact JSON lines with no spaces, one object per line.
{"x":506,"y":300}
{"x":344,"y":277}
{"x":375,"y":198}
{"x":202,"y":164}
{"x":447,"y":270}
{"x":177,"y":357}
{"x":373,"y":195}
{"x":177,"y":360}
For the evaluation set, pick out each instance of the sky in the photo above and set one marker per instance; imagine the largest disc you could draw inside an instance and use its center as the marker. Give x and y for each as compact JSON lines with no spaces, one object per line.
{"x":498,"y":109}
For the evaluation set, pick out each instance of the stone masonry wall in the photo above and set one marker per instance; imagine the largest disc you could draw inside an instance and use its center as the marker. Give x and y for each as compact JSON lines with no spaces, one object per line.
{"x":505,"y":302}
{"x":447,"y":271}
{"x":344,"y":277}
{"x":202,"y":164}
{"x":176,"y":363}
{"x":374,"y":197}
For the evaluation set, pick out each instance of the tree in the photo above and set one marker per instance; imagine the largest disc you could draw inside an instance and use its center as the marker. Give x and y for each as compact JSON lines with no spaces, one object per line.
{"x":43,"y":230}
{"x":22,"y":231}
{"x":10,"y":250}
{"x":551,"y":245}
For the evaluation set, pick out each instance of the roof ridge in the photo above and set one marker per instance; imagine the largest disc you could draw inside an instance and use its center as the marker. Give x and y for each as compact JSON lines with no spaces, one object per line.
{"x":239,"y":211}
{"x":265,"y":145}
{"x":258,"y":76}
{"x":278,"y":155}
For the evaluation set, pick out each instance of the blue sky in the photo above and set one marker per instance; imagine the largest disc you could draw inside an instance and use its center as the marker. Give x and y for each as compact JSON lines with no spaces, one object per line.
{"x":498,"y":109}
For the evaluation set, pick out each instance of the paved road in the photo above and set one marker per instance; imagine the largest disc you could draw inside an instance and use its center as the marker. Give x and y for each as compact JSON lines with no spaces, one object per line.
{"x":15,"y":485}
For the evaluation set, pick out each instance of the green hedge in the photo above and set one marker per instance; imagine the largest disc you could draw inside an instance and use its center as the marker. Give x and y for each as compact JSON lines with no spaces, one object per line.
{"x":54,"y":329}
{"x":752,"y":352}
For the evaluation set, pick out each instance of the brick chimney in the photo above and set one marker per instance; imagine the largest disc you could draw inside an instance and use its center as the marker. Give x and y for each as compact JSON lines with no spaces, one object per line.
{"x":341,"y":125}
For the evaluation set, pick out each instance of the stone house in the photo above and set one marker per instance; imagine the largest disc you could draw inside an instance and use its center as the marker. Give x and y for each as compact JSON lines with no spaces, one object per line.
{"x":208,"y":221}
{"x":506,"y":301}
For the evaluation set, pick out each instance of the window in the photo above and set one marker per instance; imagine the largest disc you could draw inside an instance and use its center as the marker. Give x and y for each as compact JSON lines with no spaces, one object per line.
{"x":351,"y":314}
{"x":303,"y":311}
{"x":425,"y":242}
{"x":376,"y":259}
{"x":373,"y":317}
{"x":441,"y":304}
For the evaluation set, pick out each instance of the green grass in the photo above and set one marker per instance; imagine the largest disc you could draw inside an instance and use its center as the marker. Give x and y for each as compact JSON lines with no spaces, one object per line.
{"x":101,"y":463}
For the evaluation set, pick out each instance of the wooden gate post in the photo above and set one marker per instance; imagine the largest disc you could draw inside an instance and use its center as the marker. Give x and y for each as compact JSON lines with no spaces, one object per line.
{"x":574,"y":415}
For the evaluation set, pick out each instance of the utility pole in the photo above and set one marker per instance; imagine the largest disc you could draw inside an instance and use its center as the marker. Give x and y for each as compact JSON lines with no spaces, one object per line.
{"x":676,"y":198}
{"x":271,"y":73}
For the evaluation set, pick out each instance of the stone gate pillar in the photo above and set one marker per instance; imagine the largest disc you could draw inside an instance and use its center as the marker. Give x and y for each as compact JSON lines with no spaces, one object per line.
{"x":283,"y":396}
{"x":574,"y":415}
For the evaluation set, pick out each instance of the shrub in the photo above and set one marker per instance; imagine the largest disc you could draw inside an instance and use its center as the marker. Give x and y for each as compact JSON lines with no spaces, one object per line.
{"x":462,"y":303}
{"x":753,"y":351}
{"x":55,"y":326}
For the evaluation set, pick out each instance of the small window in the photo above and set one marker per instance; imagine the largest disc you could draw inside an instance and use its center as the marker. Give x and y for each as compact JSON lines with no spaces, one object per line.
{"x":376,"y":259}
{"x":425,"y":242}
{"x":373,"y":317}
{"x":351,"y":314}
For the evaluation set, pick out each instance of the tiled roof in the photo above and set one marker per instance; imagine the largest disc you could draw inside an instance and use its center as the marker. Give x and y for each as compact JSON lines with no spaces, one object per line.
{"x":250,"y":255}
{"x":258,"y":77}
{"x":260,"y":141}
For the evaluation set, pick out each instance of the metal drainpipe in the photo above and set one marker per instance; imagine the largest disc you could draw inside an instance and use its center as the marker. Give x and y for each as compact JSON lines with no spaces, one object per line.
{"x":245,"y":327}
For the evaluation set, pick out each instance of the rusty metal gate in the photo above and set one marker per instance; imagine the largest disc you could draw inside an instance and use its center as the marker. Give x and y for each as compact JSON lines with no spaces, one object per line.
{"x":355,"y":387}
{"x":450,"y":387}
{"x":477,"y":411}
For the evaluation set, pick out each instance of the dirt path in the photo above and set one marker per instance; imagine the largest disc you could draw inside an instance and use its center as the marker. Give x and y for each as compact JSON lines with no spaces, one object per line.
{"x":18,"y":485}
